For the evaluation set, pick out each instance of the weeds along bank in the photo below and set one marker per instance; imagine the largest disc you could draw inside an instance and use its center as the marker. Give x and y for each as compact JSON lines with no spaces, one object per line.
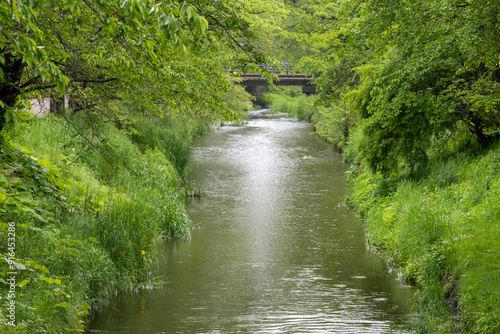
{"x":85,"y":214}
{"x":440,"y":230}
{"x":437,"y":226}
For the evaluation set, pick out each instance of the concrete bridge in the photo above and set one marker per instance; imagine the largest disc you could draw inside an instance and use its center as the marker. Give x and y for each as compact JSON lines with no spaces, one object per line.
{"x":253,"y":80}
{"x":254,"y":83}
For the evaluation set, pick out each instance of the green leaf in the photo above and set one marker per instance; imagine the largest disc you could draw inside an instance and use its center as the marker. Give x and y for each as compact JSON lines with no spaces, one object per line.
{"x":167,"y":20}
{"x":50,"y":280}
{"x":153,"y":9}
{"x":191,"y":12}
{"x":23,"y":283}
{"x":41,"y":267}
{"x":177,"y":25}
{"x":201,"y":25}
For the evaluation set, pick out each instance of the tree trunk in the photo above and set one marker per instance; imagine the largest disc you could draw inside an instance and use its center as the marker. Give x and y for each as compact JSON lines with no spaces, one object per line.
{"x":9,"y":86}
{"x":56,"y":102}
{"x":478,"y":129}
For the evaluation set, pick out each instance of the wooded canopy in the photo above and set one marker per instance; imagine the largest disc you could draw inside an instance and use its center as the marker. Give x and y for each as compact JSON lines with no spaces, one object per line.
{"x":104,"y":49}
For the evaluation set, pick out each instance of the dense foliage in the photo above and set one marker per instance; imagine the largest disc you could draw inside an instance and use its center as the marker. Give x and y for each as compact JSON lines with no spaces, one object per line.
{"x":159,"y":54}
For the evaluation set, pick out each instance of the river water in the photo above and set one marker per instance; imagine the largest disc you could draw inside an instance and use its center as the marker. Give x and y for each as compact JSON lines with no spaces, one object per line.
{"x":274,"y":250}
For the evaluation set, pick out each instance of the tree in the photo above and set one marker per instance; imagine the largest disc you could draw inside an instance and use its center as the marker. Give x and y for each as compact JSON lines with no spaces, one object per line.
{"x":434,"y":71}
{"x":317,"y":36}
{"x":102,"y":49}
{"x":417,"y":72}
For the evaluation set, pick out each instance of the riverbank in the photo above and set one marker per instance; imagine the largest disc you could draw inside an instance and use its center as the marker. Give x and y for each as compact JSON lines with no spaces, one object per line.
{"x":441,"y":232}
{"x":83,"y":205}
{"x":438,"y":228}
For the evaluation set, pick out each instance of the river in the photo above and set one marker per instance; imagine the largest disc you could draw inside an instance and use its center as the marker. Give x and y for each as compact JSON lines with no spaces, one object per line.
{"x":274,"y":249}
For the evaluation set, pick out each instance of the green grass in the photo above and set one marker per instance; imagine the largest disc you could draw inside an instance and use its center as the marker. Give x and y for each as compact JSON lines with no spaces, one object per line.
{"x":88,"y":212}
{"x":299,"y":106}
{"x":175,"y":148}
{"x":441,"y":231}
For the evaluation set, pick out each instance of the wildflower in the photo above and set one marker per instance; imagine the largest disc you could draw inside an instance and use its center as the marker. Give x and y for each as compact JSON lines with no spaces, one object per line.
{"x":143,"y":253}
{"x":97,"y":210}
{"x":101,"y":203}
{"x":133,"y":219}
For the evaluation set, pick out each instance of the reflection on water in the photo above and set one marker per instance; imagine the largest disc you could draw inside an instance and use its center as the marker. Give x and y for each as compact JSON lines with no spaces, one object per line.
{"x":274,"y":251}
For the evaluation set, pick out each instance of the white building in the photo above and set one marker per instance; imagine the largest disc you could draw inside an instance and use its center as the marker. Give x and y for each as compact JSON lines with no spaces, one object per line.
{"x":41,"y":106}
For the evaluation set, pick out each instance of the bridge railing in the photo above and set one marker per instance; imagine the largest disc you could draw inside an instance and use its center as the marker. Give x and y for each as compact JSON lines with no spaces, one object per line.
{"x":286,"y":68}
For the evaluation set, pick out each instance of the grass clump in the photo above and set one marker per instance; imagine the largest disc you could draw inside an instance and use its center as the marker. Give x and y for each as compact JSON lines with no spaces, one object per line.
{"x":298,"y":105}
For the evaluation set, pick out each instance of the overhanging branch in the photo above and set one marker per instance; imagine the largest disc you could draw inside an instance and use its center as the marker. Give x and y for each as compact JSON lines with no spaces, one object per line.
{"x":47,"y":86}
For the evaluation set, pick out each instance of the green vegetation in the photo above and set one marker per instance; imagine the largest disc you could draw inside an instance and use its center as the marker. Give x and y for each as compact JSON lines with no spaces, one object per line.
{"x":409,"y":91}
{"x":296,"y":104}
{"x":87,"y":218}
{"x":86,"y":192}
{"x":160,"y":54}
{"x":441,"y":231}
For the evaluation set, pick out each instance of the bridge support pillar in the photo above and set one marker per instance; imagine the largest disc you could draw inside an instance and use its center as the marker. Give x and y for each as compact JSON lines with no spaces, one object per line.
{"x":256,"y":91}
{"x":308,"y":90}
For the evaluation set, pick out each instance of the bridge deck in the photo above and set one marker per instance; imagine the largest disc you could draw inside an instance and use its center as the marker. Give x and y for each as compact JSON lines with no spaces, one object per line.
{"x":283,"y":80}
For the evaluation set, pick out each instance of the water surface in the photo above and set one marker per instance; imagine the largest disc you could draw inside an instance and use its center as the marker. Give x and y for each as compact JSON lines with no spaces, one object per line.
{"x":274,"y":249}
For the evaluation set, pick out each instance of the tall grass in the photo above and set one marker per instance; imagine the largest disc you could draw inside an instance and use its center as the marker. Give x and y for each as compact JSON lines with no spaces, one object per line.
{"x":175,"y":148}
{"x":300,"y":106}
{"x":93,"y":231}
{"x":441,"y":231}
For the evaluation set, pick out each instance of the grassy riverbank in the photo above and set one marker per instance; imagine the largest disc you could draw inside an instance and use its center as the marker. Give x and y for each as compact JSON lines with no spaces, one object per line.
{"x":440,"y":230}
{"x":87,"y":213}
{"x":437,"y":225}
